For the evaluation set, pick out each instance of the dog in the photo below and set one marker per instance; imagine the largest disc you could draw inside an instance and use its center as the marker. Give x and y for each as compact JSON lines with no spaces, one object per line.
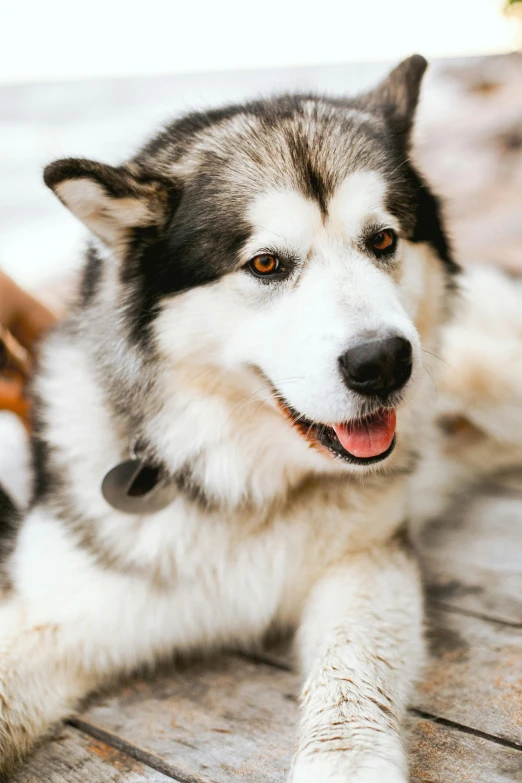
{"x":229,"y":423}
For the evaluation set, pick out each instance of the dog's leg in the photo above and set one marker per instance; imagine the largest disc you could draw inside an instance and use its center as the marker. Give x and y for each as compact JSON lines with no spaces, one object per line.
{"x":66,"y":628}
{"x":360,"y":645}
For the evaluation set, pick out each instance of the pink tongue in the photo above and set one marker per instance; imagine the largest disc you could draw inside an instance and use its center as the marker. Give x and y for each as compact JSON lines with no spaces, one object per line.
{"x":370,"y":437}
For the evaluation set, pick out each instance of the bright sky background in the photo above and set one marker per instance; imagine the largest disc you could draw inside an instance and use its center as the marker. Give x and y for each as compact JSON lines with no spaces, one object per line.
{"x":63,"y":39}
{"x":67,"y":40}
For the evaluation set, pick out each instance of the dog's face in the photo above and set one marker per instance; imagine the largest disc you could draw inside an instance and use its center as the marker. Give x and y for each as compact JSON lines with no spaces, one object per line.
{"x":287,"y":244}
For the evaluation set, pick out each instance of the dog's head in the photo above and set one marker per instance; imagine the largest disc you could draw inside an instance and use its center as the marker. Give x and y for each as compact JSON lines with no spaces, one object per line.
{"x":287,"y":246}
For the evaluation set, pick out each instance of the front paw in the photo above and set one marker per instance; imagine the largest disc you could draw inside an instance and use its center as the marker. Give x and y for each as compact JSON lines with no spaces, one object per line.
{"x":327,"y":769}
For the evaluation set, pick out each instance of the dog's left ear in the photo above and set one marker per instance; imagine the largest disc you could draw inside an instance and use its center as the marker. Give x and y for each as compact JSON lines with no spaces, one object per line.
{"x":111,"y":201}
{"x":398,"y":94}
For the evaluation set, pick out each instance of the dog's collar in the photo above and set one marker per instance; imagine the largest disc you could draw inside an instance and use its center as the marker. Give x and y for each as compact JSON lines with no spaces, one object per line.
{"x":138,"y":485}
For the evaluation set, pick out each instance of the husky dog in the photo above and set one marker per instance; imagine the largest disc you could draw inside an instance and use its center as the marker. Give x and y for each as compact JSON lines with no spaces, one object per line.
{"x":229,"y":422}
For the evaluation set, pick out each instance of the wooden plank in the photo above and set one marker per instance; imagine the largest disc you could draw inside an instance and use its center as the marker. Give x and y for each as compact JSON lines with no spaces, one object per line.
{"x":440,"y":753}
{"x":473,"y":556}
{"x":485,"y":592}
{"x":475,"y":677}
{"x":232,"y":719}
{"x":73,"y":757}
{"x":217,"y":721}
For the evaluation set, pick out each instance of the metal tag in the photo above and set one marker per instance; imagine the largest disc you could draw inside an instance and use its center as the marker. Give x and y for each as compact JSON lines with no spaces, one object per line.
{"x":137,"y":487}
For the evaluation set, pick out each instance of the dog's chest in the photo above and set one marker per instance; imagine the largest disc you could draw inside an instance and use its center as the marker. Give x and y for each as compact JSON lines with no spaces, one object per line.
{"x":242,"y":572}
{"x":219,"y":568}
{"x":194,"y":585}
{"x":199,"y":578}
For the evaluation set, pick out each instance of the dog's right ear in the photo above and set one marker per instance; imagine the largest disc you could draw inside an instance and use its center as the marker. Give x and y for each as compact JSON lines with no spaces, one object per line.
{"x":111,"y":201}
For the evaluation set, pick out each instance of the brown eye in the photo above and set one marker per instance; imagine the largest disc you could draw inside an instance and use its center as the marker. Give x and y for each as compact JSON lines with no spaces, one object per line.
{"x":264,"y":265}
{"x":384,"y":241}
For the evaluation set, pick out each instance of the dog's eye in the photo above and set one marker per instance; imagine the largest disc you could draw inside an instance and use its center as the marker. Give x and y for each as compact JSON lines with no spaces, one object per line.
{"x":265,"y":265}
{"x":384,"y":241}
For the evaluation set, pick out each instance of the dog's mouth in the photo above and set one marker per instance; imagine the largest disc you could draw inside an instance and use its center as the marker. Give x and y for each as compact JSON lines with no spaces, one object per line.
{"x":363,"y":441}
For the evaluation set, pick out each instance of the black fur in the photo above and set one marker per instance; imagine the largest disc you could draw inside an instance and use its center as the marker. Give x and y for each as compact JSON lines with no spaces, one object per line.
{"x":199,"y":244}
{"x":91,"y":276}
{"x":9,"y":524}
{"x":46,"y":480}
{"x":429,"y":225}
{"x":397,"y":96}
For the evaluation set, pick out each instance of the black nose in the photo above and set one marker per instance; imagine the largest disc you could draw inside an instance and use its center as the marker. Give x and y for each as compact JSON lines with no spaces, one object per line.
{"x":377,"y":367}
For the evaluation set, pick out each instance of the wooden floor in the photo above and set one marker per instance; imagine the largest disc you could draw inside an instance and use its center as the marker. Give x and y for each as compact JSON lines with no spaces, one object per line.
{"x":233,"y":718}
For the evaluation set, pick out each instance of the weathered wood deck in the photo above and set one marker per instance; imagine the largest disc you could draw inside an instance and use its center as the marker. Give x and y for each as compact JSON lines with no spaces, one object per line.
{"x":233,"y":718}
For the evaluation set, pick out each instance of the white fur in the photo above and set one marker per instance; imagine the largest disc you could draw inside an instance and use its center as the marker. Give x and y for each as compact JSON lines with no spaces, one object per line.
{"x":358,"y":200}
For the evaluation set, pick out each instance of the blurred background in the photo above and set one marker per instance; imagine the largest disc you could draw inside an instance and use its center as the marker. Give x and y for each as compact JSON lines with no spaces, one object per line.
{"x":58,"y":39}
{"x":94,"y":79}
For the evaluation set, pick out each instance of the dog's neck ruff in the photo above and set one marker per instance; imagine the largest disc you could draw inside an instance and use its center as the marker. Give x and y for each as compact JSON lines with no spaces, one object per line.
{"x":138,"y":485}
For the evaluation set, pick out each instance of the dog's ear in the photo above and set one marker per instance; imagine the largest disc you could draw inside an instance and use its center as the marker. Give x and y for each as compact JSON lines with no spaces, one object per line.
{"x":111,"y":201}
{"x":398,"y":94}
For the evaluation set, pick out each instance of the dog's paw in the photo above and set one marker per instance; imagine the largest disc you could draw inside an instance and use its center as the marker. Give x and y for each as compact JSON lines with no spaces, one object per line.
{"x":330,"y":769}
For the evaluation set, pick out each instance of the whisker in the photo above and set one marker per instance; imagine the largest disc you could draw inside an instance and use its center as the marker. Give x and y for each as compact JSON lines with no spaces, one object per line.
{"x":440,"y":360}
{"x":298,"y":418}
{"x":432,"y":380}
{"x":290,"y":379}
{"x":281,"y":236}
{"x":259,"y":406}
{"x":310,"y":428}
{"x":273,"y":396}
{"x":402,"y":163}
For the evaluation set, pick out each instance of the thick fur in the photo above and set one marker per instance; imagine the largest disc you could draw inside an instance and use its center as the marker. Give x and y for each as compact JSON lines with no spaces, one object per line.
{"x":173,"y":341}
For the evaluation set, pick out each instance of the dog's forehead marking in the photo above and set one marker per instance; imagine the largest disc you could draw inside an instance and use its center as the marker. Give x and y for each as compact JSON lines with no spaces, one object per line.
{"x":288,"y":218}
{"x":362,"y":195}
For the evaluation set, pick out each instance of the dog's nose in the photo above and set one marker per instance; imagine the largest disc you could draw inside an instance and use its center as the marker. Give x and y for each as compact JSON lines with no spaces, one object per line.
{"x":377,"y":367}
